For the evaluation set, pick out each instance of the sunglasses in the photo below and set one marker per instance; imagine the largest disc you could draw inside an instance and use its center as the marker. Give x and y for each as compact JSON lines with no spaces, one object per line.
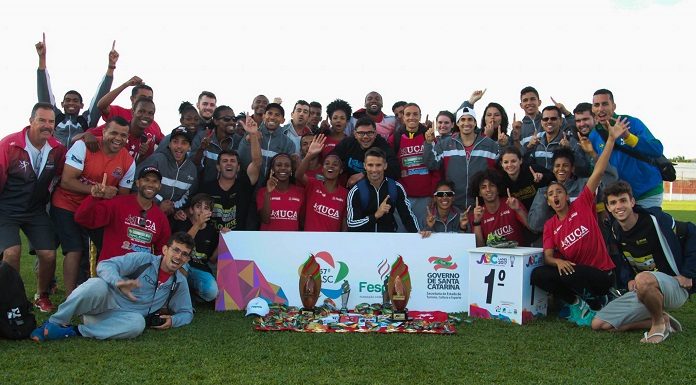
{"x":443,"y":194}
{"x":551,"y":118}
{"x":228,"y":119}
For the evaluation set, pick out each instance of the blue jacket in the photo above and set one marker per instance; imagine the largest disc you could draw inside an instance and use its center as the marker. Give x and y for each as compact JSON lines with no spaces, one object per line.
{"x":150,"y":296}
{"x":677,"y":241}
{"x":642,"y":177}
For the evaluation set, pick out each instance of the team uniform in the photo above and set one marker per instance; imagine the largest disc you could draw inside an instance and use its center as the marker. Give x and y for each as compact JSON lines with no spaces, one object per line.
{"x":120,"y":171}
{"x":127,"y":227}
{"x":286,"y":207}
{"x":578,"y":239}
{"x":325,"y":211}
{"x":504,"y":223}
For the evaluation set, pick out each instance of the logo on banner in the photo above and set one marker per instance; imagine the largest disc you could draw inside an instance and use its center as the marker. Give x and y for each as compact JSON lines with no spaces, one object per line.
{"x":332,"y":273}
{"x":494,"y":259}
{"x":442,"y":263}
{"x":535,"y":260}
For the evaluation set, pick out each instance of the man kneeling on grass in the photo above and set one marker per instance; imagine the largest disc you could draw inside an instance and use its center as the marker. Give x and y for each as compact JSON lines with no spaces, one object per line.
{"x":131,"y":292}
{"x":662,"y":255}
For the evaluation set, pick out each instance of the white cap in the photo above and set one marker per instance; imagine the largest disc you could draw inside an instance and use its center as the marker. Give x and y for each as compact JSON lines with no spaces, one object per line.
{"x":465,"y":111}
{"x":257,"y":306}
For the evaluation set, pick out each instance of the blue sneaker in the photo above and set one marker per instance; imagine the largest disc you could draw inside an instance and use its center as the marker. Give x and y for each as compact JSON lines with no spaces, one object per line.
{"x":564,"y":311}
{"x":53,"y":331}
{"x":38,"y":333}
{"x":581,"y":314}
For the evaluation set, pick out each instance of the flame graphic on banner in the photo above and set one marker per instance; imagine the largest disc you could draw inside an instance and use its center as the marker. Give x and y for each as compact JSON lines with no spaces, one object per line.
{"x":443,"y":263}
{"x":383,"y":269}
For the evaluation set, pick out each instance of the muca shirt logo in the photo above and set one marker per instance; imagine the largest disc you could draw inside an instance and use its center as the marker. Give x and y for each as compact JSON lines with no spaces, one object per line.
{"x":326,"y":211}
{"x":287,"y":215}
{"x":574,"y":236}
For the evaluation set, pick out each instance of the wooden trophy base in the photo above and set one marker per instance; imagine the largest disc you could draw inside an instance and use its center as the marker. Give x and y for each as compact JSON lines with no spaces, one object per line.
{"x":400,"y":315}
{"x":308,"y":311}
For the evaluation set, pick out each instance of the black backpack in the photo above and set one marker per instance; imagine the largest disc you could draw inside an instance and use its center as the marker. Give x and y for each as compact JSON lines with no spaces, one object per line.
{"x":16,"y":318}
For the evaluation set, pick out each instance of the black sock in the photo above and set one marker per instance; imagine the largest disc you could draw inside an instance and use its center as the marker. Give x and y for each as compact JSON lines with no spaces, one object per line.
{"x":77,"y":330}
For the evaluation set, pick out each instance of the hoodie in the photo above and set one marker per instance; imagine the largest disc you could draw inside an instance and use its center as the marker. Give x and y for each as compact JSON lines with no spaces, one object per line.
{"x":179,"y":183}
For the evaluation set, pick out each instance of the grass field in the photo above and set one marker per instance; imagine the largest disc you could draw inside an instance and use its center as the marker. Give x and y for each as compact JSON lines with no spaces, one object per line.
{"x":222,"y":348}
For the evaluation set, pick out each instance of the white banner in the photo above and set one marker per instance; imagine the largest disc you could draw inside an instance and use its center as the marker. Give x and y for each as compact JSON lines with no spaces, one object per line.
{"x":266,"y":264}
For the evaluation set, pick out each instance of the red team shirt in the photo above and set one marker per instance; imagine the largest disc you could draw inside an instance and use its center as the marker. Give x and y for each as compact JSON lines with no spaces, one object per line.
{"x":578,"y":237}
{"x":126,"y":230}
{"x":324,"y":211}
{"x":286,"y":207}
{"x":503,"y":223}
{"x":133,"y":145}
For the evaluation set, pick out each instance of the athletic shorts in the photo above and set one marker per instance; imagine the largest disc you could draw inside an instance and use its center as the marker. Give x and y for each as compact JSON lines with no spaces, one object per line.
{"x":70,"y":234}
{"x":37,"y":226}
{"x":628,"y":309}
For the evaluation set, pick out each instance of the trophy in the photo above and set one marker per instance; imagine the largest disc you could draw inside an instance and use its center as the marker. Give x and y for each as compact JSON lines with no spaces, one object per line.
{"x":345,"y":293}
{"x":399,"y":287}
{"x":385,"y":294}
{"x":310,"y":285}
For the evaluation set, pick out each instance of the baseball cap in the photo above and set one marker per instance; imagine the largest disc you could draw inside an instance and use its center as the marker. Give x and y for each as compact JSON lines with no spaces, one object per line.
{"x":257,"y":306}
{"x":465,"y":111}
{"x":148,"y":170}
{"x":181,"y":131}
{"x":277,"y":106}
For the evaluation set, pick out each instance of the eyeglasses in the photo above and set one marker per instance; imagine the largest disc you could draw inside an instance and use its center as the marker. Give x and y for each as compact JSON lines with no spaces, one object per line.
{"x":551,"y":118}
{"x":228,"y":119}
{"x":177,"y":251}
{"x":442,"y":194}
{"x":365,"y":133}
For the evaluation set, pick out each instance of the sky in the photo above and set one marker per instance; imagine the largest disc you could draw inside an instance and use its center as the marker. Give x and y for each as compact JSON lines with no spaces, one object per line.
{"x":434,"y":53}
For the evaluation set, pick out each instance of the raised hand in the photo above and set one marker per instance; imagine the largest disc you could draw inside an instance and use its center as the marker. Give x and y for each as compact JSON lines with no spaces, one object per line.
{"x":383,"y":208}
{"x":586,"y":145}
{"x":536,"y":175}
{"x":476,"y":96}
{"x":534,"y":141}
{"x":430,"y":135}
{"x":250,"y":125}
{"x":564,"y":142}
{"x":272,"y":183}
{"x":430,"y":217}
{"x":324,"y":125}
{"x":317,"y":145}
{"x":503,"y":139}
{"x":478,"y":211}
{"x":619,"y":129}
{"x":134,"y":81}
{"x":98,"y":190}
{"x":41,"y":46}
{"x":113,"y":55}
{"x":512,"y":202}
{"x":144,"y":146}
{"x":560,"y":106}
{"x":428,"y":123}
{"x":516,"y":128}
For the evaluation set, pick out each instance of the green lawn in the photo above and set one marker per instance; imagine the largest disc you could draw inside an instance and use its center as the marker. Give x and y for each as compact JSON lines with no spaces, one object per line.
{"x":223,"y":348}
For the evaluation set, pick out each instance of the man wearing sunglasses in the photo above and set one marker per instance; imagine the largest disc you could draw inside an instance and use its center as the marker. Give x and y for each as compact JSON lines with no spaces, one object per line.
{"x":132,"y":223}
{"x":541,"y":146}
{"x":129,"y":290}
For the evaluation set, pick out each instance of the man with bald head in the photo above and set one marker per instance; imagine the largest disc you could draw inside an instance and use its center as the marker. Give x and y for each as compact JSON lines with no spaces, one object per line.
{"x":373,"y":110}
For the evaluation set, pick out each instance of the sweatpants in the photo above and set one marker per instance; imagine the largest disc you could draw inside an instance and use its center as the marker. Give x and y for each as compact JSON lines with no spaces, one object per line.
{"x":585,"y":280}
{"x":102,"y":319}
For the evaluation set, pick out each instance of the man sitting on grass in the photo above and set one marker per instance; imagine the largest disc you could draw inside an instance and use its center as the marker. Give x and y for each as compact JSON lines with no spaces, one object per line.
{"x":131,"y":292}
{"x":662,"y":254}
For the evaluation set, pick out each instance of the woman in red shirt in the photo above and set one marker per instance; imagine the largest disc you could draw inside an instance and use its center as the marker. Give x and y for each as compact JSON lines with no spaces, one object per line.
{"x":578,"y":268}
{"x":280,"y":202}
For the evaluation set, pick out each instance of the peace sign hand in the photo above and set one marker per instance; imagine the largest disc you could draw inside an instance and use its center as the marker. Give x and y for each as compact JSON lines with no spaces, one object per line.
{"x":430,"y":217}
{"x":564,"y":142}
